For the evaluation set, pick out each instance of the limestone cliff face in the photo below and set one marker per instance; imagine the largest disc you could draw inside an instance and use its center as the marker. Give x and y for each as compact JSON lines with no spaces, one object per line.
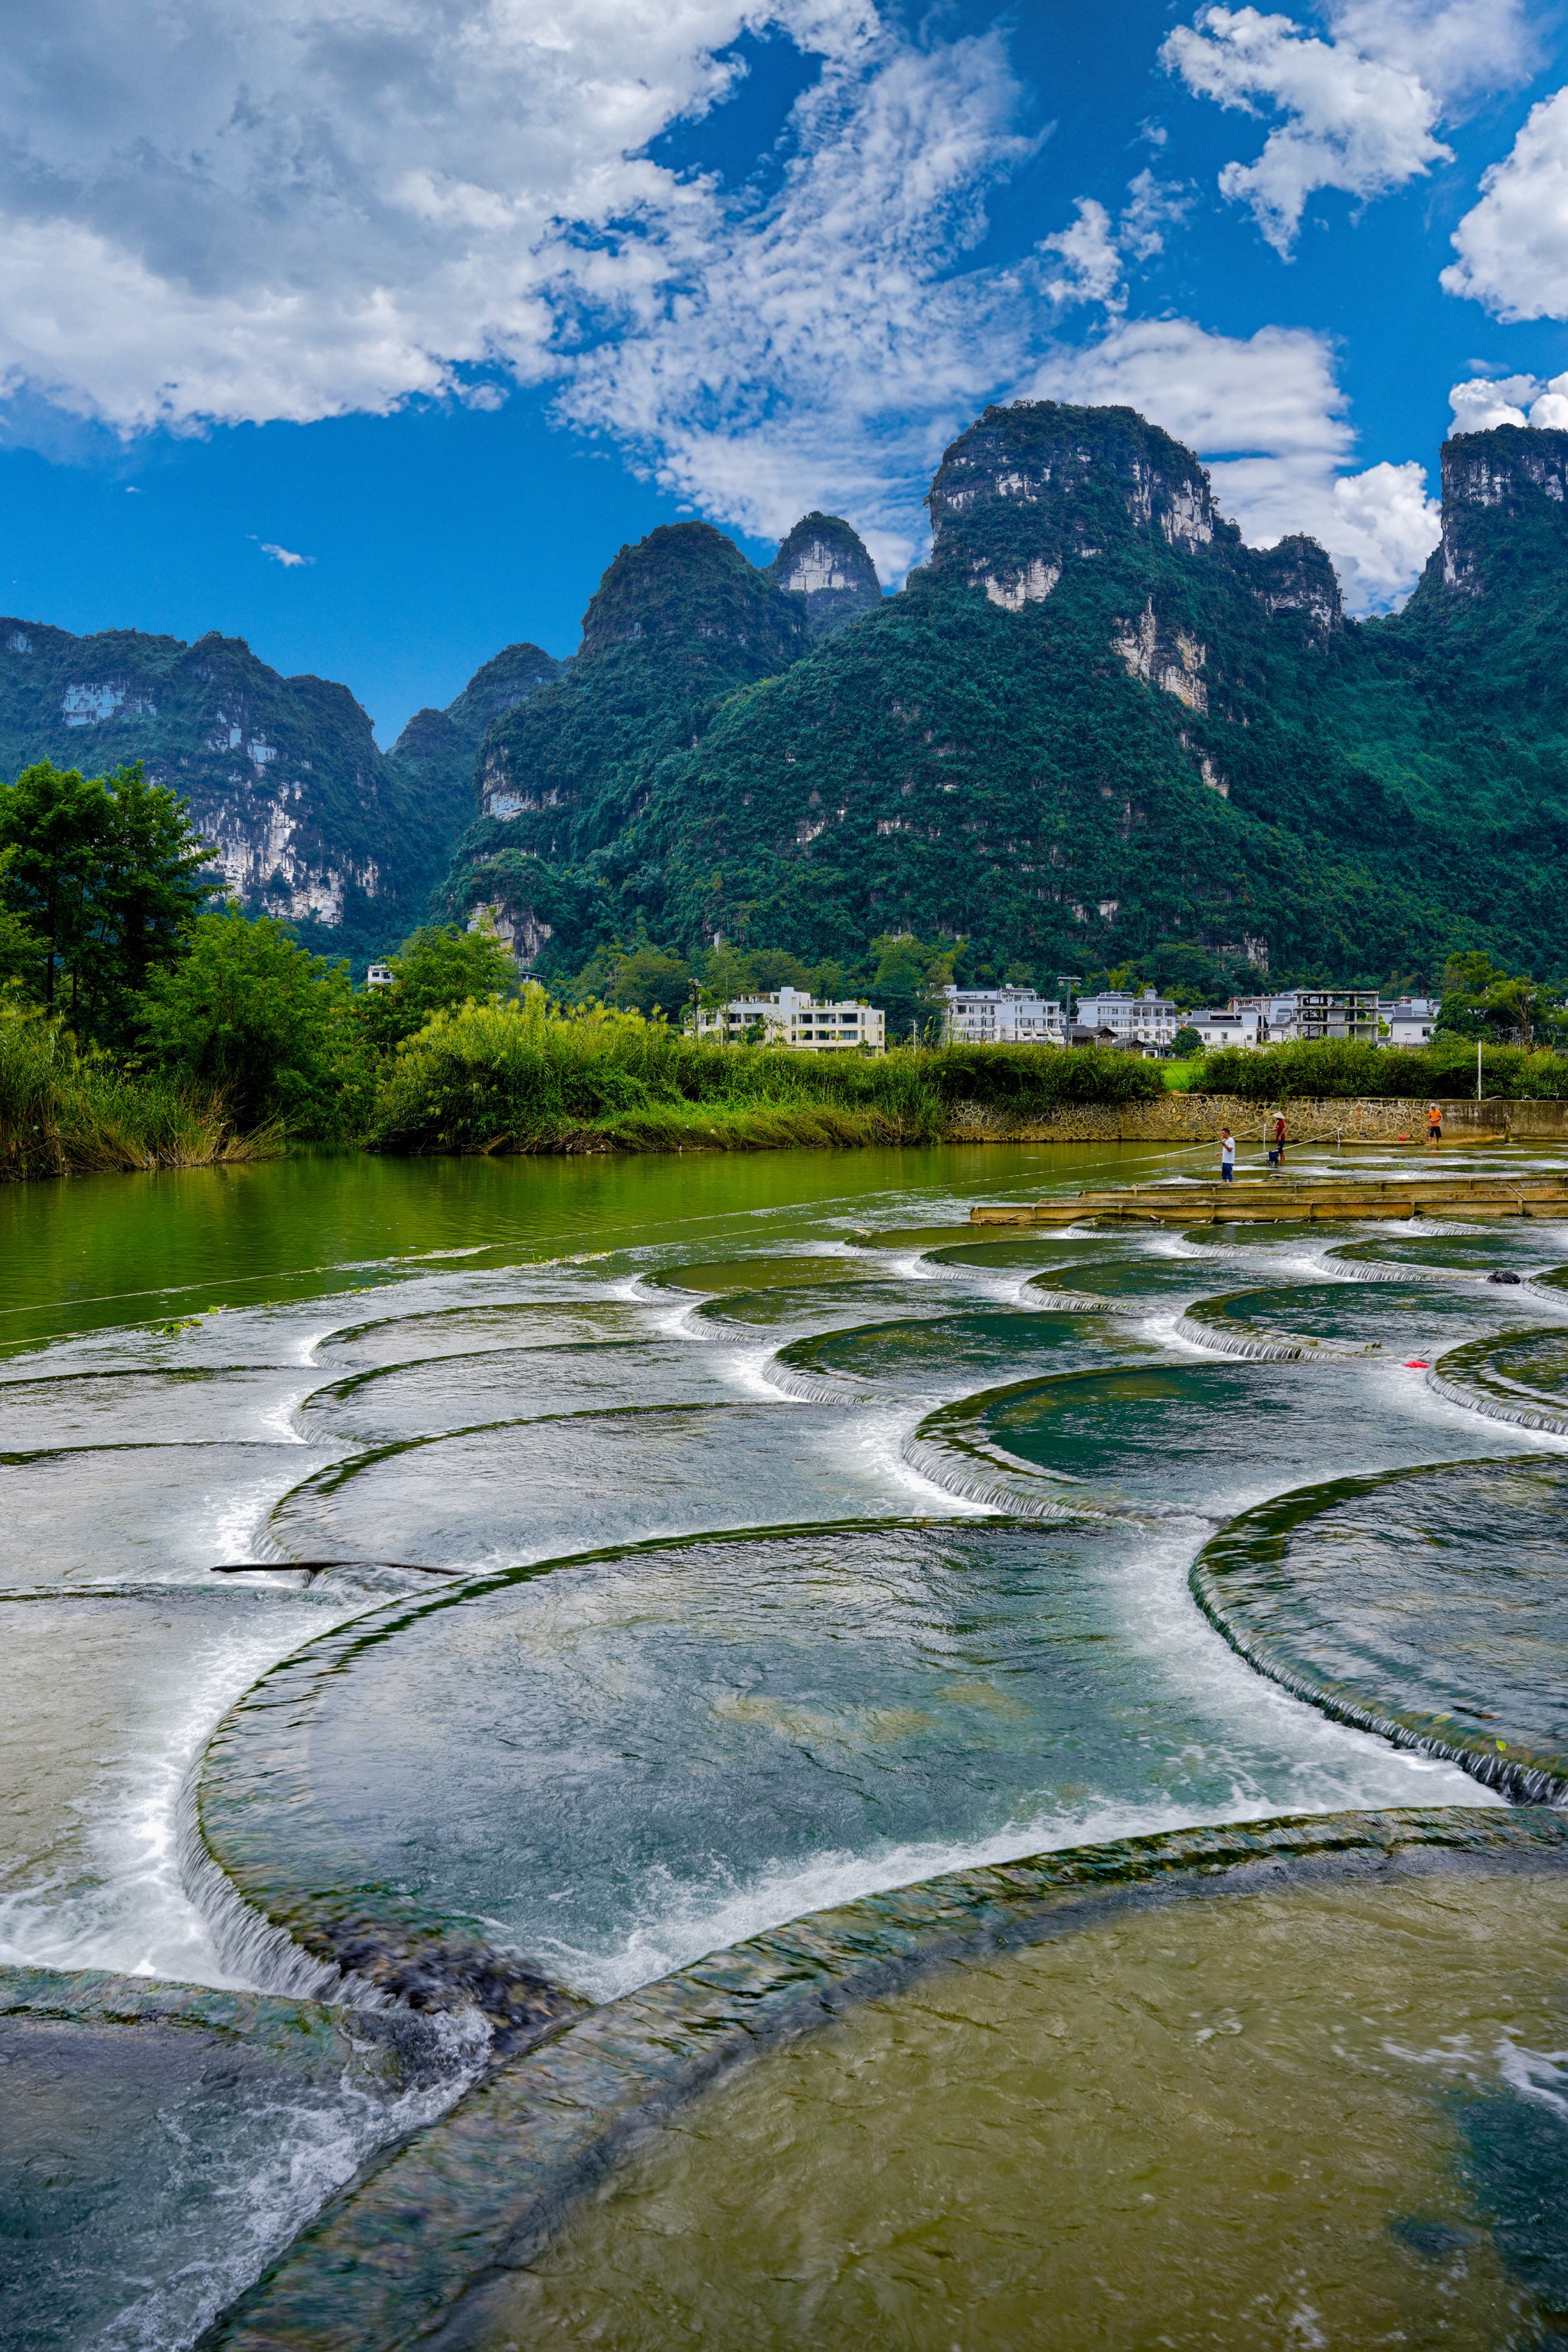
{"x":825,"y":561}
{"x":1036,"y":488}
{"x":1297,"y":576}
{"x":1500,"y":489}
{"x":435,"y":753}
{"x":306,"y":819}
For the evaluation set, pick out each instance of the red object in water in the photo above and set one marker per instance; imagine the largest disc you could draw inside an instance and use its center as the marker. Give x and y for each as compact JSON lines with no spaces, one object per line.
{"x":1417,"y":1364}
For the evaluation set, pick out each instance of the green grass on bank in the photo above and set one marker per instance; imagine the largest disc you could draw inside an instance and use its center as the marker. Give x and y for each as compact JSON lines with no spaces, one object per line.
{"x":64,"y":1112}
{"x":528,"y":1076}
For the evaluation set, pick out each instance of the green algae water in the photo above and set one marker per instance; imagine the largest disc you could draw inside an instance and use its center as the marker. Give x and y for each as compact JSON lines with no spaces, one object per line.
{"x":426,"y":1577}
{"x":1331,"y":2117}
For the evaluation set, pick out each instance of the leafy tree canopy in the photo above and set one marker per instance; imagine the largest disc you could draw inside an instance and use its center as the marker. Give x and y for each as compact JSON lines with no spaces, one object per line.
{"x":265,"y":1024}
{"x":1482,"y":999}
{"x":100,"y":882}
{"x":435,"y":970}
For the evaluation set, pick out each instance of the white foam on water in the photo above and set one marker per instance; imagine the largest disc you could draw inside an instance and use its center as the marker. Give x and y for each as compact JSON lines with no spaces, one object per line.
{"x":1328,"y":1766}
{"x":293,"y":2154}
{"x":134,"y":1914}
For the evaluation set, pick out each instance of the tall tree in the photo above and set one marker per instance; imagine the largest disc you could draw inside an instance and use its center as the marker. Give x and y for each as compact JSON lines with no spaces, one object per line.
{"x":104,"y":872}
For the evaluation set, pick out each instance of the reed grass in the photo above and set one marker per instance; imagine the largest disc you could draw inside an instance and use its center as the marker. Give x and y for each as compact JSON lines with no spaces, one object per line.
{"x":530,"y":1077}
{"x":64,"y":1112}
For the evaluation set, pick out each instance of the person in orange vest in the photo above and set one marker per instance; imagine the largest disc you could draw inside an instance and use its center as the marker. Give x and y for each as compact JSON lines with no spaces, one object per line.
{"x":1435,"y":1123}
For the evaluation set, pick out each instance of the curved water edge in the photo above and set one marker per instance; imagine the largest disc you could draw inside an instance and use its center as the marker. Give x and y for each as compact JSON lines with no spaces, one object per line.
{"x":1476,"y":1376}
{"x":658,"y":1463}
{"x":163,"y":2141}
{"x":498,"y":2179}
{"x":1364,"y":1623}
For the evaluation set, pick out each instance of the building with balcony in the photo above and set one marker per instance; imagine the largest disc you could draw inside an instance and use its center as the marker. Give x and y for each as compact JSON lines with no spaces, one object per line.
{"x":1337,"y":1012}
{"x":1001,"y":1016}
{"x":789,"y":1017}
{"x":1148,"y":1019}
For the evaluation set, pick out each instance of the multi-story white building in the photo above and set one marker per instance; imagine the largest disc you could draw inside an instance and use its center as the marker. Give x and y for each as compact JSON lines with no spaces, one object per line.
{"x":1410,"y":1020}
{"x":792,"y":1017}
{"x":1150,"y":1018}
{"x":1241,"y":1024}
{"x":1002,"y":1016}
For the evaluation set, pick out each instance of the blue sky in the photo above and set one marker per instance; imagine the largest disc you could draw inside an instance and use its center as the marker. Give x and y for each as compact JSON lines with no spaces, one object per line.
{"x":367,"y":330}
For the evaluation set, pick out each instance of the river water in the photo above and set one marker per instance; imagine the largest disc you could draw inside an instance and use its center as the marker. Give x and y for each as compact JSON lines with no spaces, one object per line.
{"x":891,"y":1528}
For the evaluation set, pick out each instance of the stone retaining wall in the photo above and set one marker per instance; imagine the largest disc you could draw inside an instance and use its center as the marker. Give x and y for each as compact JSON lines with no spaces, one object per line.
{"x":1196,"y":1118}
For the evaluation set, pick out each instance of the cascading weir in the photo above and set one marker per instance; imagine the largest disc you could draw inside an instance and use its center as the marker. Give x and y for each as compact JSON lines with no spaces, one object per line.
{"x":849,"y":2149}
{"x":1426,"y":1604}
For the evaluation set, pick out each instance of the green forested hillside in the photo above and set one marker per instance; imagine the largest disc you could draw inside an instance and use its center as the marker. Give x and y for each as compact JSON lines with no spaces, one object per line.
{"x":1095,"y":725}
{"x":306,"y":817}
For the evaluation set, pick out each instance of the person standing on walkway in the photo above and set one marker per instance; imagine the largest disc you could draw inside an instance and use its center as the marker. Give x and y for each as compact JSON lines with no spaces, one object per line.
{"x":1277,"y":1155}
{"x":1433,"y":1122}
{"x":1227,"y":1158}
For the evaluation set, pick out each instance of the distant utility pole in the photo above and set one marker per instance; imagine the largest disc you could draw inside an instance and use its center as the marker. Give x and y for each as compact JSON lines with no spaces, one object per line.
{"x":1477,"y":1069}
{"x":1067,"y":981}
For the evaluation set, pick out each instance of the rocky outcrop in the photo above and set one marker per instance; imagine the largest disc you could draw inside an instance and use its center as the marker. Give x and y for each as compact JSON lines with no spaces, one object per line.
{"x":1498,"y":487}
{"x":1032,"y":488}
{"x":306,"y":819}
{"x":827,"y":562}
{"x":1170,"y":658}
{"x":1297,"y":576}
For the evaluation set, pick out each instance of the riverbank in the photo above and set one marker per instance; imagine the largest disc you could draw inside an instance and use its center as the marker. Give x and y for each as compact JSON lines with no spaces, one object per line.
{"x":528,"y":1078}
{"x":121,"y":1131}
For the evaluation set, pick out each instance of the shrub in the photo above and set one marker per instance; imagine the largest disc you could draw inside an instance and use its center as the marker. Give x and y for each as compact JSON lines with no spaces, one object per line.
{"x":527,"y":1075}
{"x":250,"y":1017}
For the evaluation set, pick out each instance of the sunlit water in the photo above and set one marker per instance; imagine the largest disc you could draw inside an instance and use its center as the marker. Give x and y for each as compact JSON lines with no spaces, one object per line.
{"x":240,"y":1408}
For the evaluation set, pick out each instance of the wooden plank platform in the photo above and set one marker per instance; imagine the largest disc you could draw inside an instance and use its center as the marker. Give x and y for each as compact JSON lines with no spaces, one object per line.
{"x":1279,"y":1200}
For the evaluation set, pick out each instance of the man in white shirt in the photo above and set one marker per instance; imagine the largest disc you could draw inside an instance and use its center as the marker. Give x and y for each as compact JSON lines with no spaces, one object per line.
{"x":1227,"y":1158}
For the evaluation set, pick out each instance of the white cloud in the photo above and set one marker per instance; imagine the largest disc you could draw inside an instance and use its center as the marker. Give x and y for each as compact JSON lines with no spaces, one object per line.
{"x":821,"y":349}
{"x":215,"y":213}
{"x":1091,"y":258}
{"x":1484,"y":401}
{"x":1513,"y":245}
{"x":231,"y":211}
{"x":1361,"y":108}
{"x":284,"y":555}
{"x":1152,"y":207}
{"x":1267,"y":415}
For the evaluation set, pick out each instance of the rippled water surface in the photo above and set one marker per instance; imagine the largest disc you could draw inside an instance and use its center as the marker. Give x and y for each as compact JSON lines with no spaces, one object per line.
{"x":1083,"y":2145}
{"x":814,"y":1424}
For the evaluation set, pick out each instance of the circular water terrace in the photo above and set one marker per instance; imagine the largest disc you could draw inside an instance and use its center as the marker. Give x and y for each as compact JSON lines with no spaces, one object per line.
{"x":788,"y":1645}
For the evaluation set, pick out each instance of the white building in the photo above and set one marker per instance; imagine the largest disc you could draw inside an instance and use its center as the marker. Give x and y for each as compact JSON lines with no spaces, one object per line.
{"x":1277,"y":1014}
{"x":790,"y":1017}
{"x":1410,"y":1020}
{"x":1147,"y":1020}
{"x":1240,"y":1024}
{"x":380,"y":975}
{"x":1002,"y":1016}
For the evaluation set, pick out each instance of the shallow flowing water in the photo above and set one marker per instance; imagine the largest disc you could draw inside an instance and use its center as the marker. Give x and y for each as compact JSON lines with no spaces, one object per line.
{"x":1082,"y":2145}
{"x":893,"y":1526}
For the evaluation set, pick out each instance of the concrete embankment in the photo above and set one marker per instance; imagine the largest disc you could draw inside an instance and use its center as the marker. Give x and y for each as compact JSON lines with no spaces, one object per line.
{"x":1272,"y":1199}
{"x":1199,"y":1119}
